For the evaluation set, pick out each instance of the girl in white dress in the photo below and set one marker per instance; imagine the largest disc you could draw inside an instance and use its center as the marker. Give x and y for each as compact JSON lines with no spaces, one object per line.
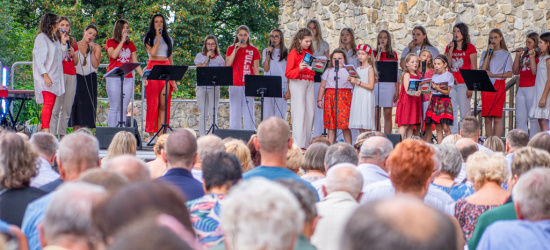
{"x":541,"y":104}
{"x":362,"y":103}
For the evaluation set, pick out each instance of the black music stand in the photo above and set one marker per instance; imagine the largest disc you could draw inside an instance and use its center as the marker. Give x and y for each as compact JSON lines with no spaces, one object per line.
{"x":477,"y":80}
{"x":388,"y":71}
{"x":165,"y":73}
{"x":263,"y":86}
{"x":121,"y":72}
{"x":212,"y":77}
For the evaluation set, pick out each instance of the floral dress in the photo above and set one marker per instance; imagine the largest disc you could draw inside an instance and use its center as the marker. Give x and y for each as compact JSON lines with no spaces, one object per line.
{"x":466,"y":213}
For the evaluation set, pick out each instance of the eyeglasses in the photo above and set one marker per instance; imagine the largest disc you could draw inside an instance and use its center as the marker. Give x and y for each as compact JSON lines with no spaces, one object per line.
{"x":275,"y":36}
{"x":210,"y":44}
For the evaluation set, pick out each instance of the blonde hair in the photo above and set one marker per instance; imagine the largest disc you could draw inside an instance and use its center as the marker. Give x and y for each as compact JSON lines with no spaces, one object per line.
{"x":318,"y":38}
{"x":352,"y":42}
{"x":294,"y":158}
{"x":239,"y":149}
{"x":430,"y":63}
{"x":407,"y":60}
{"x":482,"y":167}
{"x":451,"y":139}
{"x":159,"y":145}
{"x":123,"y":142}
{"x":242,"y":27}
{"x":527,"y":158}
{"x":502,"y":45}
{"x":494,"y":143}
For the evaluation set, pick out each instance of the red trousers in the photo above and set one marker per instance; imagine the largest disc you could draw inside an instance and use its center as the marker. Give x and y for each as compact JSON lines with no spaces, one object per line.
{"x":152,"y":92}
{"x":49,"y":101}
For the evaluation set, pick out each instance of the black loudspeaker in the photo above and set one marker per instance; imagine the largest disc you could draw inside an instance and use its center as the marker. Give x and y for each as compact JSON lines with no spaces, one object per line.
{"x":235,"y":133}
{"x":105,"y":135}
{"x":394,"y":138}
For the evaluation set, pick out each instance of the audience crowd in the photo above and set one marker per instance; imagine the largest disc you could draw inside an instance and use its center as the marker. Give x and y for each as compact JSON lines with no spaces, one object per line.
{"x":266,"y":194}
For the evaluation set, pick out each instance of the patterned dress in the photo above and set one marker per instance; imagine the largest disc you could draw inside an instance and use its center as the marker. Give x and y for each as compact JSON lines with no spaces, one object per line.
{"x":205,"y":217}
{"x":467,"y":213}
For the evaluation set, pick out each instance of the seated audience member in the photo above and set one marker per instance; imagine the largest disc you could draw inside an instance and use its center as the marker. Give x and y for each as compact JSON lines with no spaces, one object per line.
{"x":336,"y":154}
{"x":525,"y":159}
{"x":470,"y":129}
{"x":307,"y":199}
{"x":220,"y":172}
{"x":531,"y":202}
{"x":451,"y":139}
{"x":541,"y":141}
{"x":17,"y":163}
{"x":466,"y":147}
{"x":450,"y":167}
{"x":321,"y":139}
{"x":344,"y":184}
{"x":401,"y":222}
{"x":130,"y":118}
{"x":136,"y":201}
{"x":373,"y":158}
{"x":273,"y":142}
{"x":241,"y":151}
{"x":130,"y":166}
{"x":45,"y":144}
{"x":67,"y":223}
{"x":249,"y":225}
{"x":123,"y":142}
{"x":369,"y":134}
{"x":255,"y":154}
{"x":515,"y":139}
{"x":486,"y":172}
{"x":495,"y":144}
{"x":425,"y":160}
{"x":314,"y":162}
{"x":109,"y":179}
{"x":158,"y":166}
{"x":180,"y":154}
{"x":207,"y":144}
{"x":294,"y":159}
{"x":78,"y":152}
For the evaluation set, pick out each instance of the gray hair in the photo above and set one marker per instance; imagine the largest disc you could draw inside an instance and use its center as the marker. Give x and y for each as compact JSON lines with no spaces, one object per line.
{"x":70,"y":210}
{"x":344,"y":177}
{"x":305,"y":196}
{"x":130,"y":166}
{"x":209,"y":144}
{"x":314,"y":158}
{"x":436,"y":157}
{"x":376,"y":148}
{"x":532,"y":193}
{"x":268,"y":223}
{"x":451,"y":159}
{"x":44,"y":143}
{"x":79,"y":150}
{"x":340,"y":153}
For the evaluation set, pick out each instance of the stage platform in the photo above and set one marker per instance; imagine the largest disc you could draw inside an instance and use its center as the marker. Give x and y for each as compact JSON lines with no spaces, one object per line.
{"x":146,"y":153}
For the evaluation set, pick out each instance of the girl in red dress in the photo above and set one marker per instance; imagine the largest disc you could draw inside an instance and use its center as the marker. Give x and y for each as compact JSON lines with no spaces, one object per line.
{"x":408,"y":106}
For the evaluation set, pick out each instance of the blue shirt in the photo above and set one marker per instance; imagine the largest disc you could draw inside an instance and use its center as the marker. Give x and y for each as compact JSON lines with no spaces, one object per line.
{"x":274,"y":173}
{"x":458,"y":191}
{"x":34,"y":214}
{"x":516,"y":234}
{"x":184,"y":180}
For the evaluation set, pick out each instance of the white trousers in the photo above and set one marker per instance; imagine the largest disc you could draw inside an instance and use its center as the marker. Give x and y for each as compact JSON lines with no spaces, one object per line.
{"x":240,"y":106}
{"x":208,"y":99}
{"x":275,"y":107}
{"x":461,"y":102}
{"x":318,"y":124}
{"x":113,"y":93}
{"x":524,"y":100}
{"x":302,"y":108}
{"x":63,"y":106}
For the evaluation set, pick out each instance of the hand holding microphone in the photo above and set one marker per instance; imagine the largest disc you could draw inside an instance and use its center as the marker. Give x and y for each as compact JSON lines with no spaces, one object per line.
{"x":159,"y":33}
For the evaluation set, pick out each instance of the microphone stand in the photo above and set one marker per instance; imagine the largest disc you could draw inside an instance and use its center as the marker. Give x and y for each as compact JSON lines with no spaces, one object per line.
{"x":378,"y":109}
{"x":336,"y":67}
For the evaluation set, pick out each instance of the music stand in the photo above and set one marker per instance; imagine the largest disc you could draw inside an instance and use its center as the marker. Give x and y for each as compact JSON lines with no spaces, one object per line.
{"x":121,"y":72}
{"x":477,"y":80}
{"x":263,"y":86}
{"x":165,"y":73}
{"x":388,"y":71}
{"x":213,"y":77}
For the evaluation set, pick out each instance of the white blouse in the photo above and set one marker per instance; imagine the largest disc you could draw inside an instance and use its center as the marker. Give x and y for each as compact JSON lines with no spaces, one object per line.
{"x":47,"y":57}
{"x":88,"y":69}
{"x":500,"y":63}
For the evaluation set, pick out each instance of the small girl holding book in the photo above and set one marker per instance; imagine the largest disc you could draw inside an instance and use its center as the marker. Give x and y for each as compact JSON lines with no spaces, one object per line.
{"x":440,"y":110}
{"x":426,"y":58}
{"x":362,"y":104}
{"x":332,"y":114}
{"x":408,"y":110}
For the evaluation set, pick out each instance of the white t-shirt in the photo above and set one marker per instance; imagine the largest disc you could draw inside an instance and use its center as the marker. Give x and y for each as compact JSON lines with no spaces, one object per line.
{"x":416,"y":50}
{"x":342,"y":79}
{"x":218,"y":61}
{"x":352,"y":59}
{"x":320,"y":51}
{"x":276,"y":67}
{"x":500,"y":64}
{"x":445,"y":77}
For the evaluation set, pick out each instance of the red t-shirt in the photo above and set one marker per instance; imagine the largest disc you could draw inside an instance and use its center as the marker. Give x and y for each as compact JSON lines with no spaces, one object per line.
{"x":243,"y":63}
{"x":68,"y":64}
{"x":125,"y":55}
{"x":293,"y":61}
{"x":461,"y":60}
{"x":384,"y":58}
{"x":526,"y":77}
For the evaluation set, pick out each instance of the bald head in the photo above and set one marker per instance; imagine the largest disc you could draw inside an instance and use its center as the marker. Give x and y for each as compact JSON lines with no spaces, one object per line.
{"x":346,"y":178}
{"x":209,"y":144}
{"x":402,"y":222}
{"x":130,"y":166}
{"x":466,"y":147}
{"x":273,"y":135}
{"x":376,"y":149}
{"x":181,"y":149}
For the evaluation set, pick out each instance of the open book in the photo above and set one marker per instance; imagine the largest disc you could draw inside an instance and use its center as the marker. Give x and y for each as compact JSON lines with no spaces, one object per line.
{"x":315,"y":64}
{"x":413,"y":86}
{"x":352,"y":71}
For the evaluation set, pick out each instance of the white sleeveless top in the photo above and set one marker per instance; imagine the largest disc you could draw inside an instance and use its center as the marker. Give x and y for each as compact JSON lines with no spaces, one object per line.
{"x":85,"y":70}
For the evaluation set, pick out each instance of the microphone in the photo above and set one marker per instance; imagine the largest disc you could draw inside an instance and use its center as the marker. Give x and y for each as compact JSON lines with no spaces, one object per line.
{"x":423,"y":67}
{"x":537,"y":50}
{"x":242,"y":41}
{"x":68,"y":43}
{"x":127,"y":39}
{"x":160,"y":31}
{"x":521,"y":50}
{"x":337,"y":65}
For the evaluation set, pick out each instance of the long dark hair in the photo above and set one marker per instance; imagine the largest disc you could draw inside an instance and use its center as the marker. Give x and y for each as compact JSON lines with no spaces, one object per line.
{"x":426,"y":41}
{"x":465,"y":34}
{"x":46,"y":23}
{"x":284,"y":50}
{"x":119,"y":25}
{"x":389,"y":50}
{"x":152,"y":33}
{"x":535,"y":37}
{"x":337,"y":51}
{"x":353,"y":44}
{"x":545,"y":37}
{"x":245,"y":28}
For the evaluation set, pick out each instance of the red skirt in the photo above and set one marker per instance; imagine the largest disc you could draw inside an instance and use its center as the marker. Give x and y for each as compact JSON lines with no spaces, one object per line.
{"x":344,"y":105}
{"x":492,"y":103}
{"x":152,"y":92}
{"x":440,"y":110}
